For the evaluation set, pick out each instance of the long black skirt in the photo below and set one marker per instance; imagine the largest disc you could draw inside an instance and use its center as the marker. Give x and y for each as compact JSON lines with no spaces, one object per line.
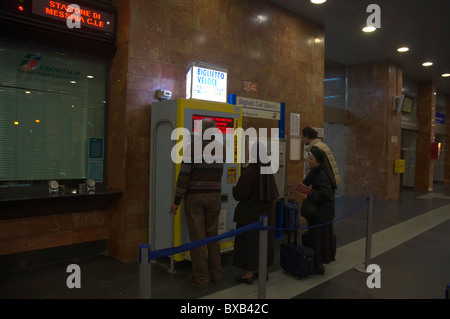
{"x":246,"y":249}
{"x":322,"y":240}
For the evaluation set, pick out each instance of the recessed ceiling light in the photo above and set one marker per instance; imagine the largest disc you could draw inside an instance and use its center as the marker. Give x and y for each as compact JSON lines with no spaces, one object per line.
{"x":90,"y":76}
{"x":369,"y":29}
{"x":445,"y":75}
{"x":427,"y":63}
{"x":403,"y":49}
{"x":318,"y":1}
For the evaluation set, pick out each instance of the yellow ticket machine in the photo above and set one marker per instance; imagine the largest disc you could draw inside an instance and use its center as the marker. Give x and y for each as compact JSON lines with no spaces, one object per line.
{"x":165,"y":230}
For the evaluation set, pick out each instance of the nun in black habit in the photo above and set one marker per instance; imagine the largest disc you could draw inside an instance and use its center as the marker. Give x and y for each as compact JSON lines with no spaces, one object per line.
{"x":321,"y":180}
{"x":256,"y":194}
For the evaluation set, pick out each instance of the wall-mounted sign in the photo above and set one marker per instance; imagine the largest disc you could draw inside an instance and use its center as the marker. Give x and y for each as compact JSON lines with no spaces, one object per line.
{"x":62,"y":10}
{"x":96,"y":148}
{"x":206,"y":81}
{"x":440,"y":118}
{"x":251,"y":87}
{"x":77,"y":16}
{"x":399,"y":166}
{"x":259,"y":108}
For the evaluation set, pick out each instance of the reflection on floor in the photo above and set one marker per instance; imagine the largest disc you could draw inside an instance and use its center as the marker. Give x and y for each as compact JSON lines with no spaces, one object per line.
{"x":409,"y":243}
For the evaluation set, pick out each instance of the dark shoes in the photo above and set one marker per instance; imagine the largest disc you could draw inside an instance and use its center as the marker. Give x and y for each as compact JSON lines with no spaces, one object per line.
{"x":194,"y":282}
{"x":319,"y":271}
{"x":247,"y":281}
{"x":217,"y":280}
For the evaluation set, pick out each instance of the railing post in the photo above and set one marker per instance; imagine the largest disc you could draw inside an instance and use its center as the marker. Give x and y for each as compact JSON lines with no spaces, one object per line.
{"x":368,"y":237}
{"x":145,"y":272}
{"x":369,"y":232}
{"x":262,"y":262}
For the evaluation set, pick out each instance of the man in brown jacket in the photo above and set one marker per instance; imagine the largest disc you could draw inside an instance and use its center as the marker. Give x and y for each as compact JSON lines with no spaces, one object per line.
{"x":199,"y":183}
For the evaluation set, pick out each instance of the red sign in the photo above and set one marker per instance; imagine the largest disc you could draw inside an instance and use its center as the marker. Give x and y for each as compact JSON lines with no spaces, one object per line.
{"x":84,"y":16}
{"x":250,"y":87}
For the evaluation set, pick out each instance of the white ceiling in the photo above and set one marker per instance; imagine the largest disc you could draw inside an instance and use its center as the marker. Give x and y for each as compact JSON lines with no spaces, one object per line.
{"x":421,"y":25}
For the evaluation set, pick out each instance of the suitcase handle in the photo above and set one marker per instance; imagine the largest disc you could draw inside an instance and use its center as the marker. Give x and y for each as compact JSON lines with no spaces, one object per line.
{"x":295,"y":226}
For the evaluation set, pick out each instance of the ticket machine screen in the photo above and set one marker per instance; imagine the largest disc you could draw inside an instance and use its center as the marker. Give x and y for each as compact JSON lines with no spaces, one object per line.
{"x":222,"y":123}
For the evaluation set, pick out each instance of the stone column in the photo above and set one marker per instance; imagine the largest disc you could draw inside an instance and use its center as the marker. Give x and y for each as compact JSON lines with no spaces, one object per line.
{"x":426,"y":113}
{"x":374,"y":130}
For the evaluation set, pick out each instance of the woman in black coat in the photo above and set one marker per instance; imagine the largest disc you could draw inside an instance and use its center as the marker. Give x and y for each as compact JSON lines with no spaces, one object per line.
{"x":321,"y":179}
{"x":256,"y":193}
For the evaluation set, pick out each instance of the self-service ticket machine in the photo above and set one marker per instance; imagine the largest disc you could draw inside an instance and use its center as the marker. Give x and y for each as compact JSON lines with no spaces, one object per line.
{"x":166,"y":230}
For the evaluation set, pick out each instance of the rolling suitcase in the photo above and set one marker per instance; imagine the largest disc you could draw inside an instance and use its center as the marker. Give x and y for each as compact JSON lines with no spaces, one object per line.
{"x":296,"y":259}
{"x":291,"y":214}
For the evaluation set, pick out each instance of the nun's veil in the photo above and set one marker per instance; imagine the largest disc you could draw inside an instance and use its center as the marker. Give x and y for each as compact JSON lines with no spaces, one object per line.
{"x":322,"y":158}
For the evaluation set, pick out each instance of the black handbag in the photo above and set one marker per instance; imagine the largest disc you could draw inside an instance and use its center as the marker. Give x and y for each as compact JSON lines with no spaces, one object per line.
{"x":309,"y":210}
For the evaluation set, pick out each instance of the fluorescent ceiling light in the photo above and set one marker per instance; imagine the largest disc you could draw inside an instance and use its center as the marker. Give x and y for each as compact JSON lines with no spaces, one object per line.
{"x":403,"y":49}
{"x":445,"y":75}
{"x":427,"y":63}
{"x":318,"y":1}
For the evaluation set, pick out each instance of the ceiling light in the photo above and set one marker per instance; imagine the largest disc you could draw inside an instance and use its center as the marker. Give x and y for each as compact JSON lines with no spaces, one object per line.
{"x":427,"y":63}
{"x":318,"y":1}
{"x":403,"y":49}
{"x":369,"y":29}
{"x":445,"y":75}
{"x":90,"y":76}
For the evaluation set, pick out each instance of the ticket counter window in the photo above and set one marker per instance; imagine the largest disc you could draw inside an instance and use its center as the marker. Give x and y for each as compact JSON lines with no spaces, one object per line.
{"x":52,"y":106}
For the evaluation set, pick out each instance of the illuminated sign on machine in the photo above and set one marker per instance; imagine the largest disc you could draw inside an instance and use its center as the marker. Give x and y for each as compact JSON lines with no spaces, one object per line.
{"x":85,"y":17}
{"x":222,"y":123}
{"x":206,"y":82}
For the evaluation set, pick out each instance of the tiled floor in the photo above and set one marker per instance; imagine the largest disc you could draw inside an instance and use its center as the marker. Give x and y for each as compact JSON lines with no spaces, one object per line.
{"x":410,"y":243}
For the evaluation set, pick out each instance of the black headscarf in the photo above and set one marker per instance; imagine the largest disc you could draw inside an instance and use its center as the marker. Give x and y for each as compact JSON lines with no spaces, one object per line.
{"x":325,"y":165}
{"x":268,"y":190}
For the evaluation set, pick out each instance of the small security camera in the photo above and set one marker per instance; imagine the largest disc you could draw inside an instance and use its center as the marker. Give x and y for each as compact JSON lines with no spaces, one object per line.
{"x":163,"y":94}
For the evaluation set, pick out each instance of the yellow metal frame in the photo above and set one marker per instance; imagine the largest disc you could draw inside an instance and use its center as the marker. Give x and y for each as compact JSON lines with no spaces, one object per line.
{"x":183,"y":104}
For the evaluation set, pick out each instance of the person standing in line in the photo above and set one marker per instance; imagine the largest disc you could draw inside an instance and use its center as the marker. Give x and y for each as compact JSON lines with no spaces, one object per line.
{"x":321,"y":179}
{"x":199,"y":183}
{"x":256,"y":194}
{"x":310,"y":139}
